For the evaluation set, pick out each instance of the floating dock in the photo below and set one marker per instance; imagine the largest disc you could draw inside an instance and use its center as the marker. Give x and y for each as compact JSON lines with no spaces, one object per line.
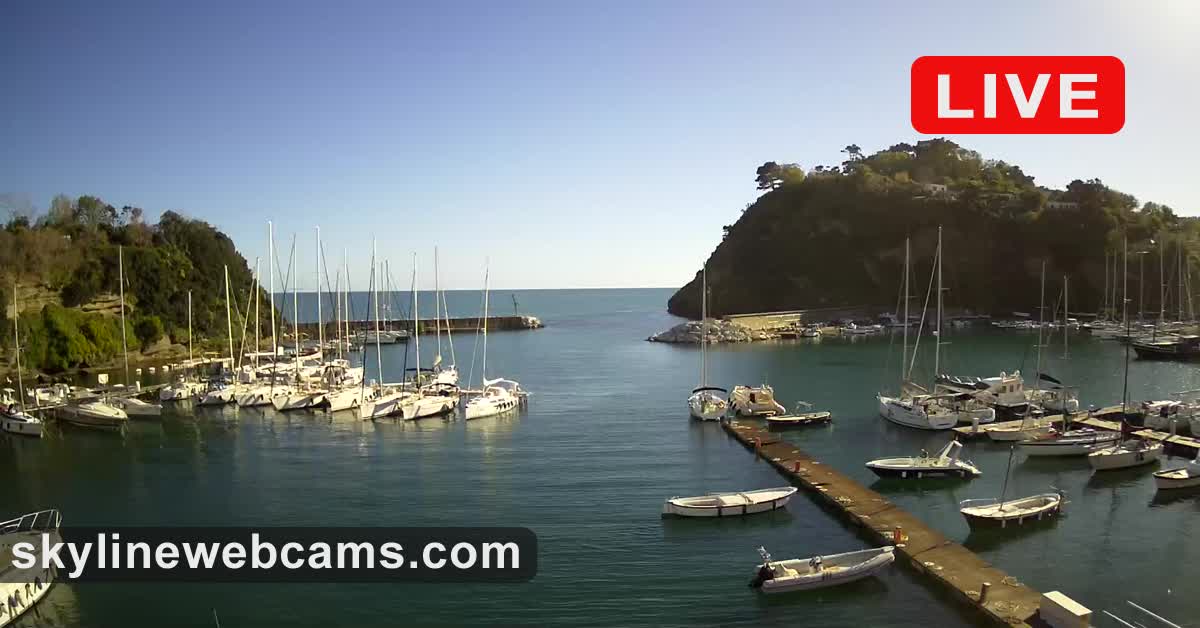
{"x":948,"y":565}
{"x":1097,"y":419}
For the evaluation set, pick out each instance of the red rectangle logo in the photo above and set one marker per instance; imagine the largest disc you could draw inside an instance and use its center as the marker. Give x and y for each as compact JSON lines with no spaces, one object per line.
{"x":962,"y":95}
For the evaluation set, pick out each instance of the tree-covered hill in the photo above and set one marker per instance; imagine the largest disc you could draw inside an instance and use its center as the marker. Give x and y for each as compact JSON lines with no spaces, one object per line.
{"x":72,"y":251}
{"x":834,"y":236}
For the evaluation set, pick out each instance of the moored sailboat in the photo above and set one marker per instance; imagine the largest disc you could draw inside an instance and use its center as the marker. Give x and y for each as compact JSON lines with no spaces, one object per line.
{"x":499,"y":395}
{"x":706,"y":403}
{"x":1002,"y":513}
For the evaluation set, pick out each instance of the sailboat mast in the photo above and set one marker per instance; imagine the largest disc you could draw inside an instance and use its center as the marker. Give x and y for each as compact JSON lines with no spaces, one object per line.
{"x":1162,"y":282}
{"x":416,"y":321}
{"x":375,"y":288}
{"x":1066,"y":318}
{"x":346,"y":296}
{"x":1007,"y":472}
{"x":295,"y":312}
{"x":904,"y":323}
{"x":257,"y":290}
{"x":271,"y":296}
{"x":1179,"y":272}
{"x":1128,"y":340}
{"x":228,"y":319}
{"x":17,"y":345}
{"x":437,"y":306}
{"x":121,"y":280}
{"x":190,"y":329}
{"x":704,"y":326}
{"x":1041,"y":322}
{"x":937,"y":344}
{"x":1104,"y":300}
{"x":483,"y":371}
{"x":320,"y":297}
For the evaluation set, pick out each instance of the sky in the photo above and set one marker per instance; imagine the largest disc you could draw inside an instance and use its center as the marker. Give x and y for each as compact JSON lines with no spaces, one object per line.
{"x":565,"y":144}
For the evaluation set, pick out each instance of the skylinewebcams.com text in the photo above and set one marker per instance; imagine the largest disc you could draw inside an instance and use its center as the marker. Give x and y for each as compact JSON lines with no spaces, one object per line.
{"x":109,"y":552}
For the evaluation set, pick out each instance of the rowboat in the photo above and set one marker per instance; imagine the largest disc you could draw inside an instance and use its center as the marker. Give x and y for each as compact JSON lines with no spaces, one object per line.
{"x":795,"y":419}
{"x":730,"y":504}
{"x":945,"y":464}
{"x":995,"y":512}
{"x":818,"y":572}
{"x":1187,"y":476}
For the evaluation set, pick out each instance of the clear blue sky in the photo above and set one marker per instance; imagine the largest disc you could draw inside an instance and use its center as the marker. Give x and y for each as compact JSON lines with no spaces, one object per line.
{"x":575,"y":144}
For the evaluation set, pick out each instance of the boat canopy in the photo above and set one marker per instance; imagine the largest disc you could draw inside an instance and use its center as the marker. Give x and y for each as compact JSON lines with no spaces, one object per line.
{"x":702,"y":388}
{"x":502,"y":383}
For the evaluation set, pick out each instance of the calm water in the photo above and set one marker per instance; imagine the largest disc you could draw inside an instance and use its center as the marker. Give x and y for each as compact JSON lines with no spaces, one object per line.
{"x":605,"y":439}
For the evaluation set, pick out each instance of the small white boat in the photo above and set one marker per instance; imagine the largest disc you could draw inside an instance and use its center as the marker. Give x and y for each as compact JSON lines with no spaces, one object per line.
{"x":136,"y":408}
{"x":15,"y":421}
{"x":1070,"y":443}
{"x":1187,"y":476}
{"x":754,"y":401}
{"x":219,"y":395}
{"x":433,"y":400}
{"x":707,"y":403}
{"x":945,"y":464}
{"x":1159,"y":415}
{"x":994,"y":512}
{"x":730,"y":504}
{"x":181,"y":390}
{"x":799,"y":417}
{"x":818,"y":572}
{"x":499,"y":396}
{"x":1131,"y":453}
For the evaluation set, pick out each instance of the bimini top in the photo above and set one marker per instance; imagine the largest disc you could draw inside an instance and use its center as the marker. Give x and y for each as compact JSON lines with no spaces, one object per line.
{"x":502,"y":383}
{"x":702,"y":388}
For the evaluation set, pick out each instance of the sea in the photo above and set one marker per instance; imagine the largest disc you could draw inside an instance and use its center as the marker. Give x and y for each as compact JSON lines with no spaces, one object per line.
{"x":605,"y":439}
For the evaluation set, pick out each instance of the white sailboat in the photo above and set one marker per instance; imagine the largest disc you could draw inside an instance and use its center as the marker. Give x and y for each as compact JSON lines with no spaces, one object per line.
{"x":1003,"y":513}
{"x":1027,"y":429}
{"x":303,"y":394}
{"x":134,"y":407}
{"x":13,"y":418}
{"x":706,"y":403}
{"x":185,"y":386}
{"x":499,"y":395}
{"x":222,"y":392}
{"x":914,"y":407}
{"x":443,"y":374}
{"x":381,"y":400}
{"x":429,"y":400}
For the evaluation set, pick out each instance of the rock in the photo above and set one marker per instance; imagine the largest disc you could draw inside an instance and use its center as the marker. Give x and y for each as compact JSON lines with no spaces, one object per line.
{"x":716,"y":329}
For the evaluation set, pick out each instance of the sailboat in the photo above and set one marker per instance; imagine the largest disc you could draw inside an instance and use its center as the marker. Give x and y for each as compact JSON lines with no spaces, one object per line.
{"x":707,"y":403}
{"x":431,"y":399}
{"x":185,"y":385}
{"x":303,"y":394}
{"x":1002,"y":513}
{"x":13,"y":418}
{"x":915,"y":407}
{"x":134,"y":407}
{"x":1027,"y":429}
{"x":223,"y":392}
{"x":443,"y":374}
{"x":383,"y":399}
{"x":1133,"y":452}
{"x":343,"y":379}
{"x":499,"y":395}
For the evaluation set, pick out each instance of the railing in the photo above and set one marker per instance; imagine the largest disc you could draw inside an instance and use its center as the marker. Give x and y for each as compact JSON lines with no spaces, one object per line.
{"x":41,"y":521}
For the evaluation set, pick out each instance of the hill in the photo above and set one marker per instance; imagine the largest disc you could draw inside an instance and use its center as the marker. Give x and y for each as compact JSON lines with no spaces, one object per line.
{"x":65,"y":266}
{"x":834,"y":236}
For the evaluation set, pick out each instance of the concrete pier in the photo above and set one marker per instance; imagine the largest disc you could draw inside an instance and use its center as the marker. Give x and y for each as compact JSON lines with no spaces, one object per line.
{"x":947,"y":565}
{"x":428,"y":325}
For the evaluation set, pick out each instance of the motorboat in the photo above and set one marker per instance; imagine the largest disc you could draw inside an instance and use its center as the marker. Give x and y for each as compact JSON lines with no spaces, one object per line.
{"x":1000,"y":513}
{"x":818,"y":572}
{"x":14,"y":420}
{"x":1078,"y":442}
{"x":707,"y":403}
{"x":730,"y":504}
{"x":97,"y":414}
{"x":754,"y":401}
{"x":499,"y":395}
{"x":1134,"y":452}
{"x":1006,"y":390}
{"x":1179,"y":347}
{"x":803,"y":415}
{"x":182,"y":389}
{"x":1187,"y":476}
{"x":1161,"y":414}
{"x":22,"y":588}
{"x":136,"y":408}
{"x":945,"y":464}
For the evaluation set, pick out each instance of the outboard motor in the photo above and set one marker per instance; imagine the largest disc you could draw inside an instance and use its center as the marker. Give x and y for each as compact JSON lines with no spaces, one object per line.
{"x":764,"y":574}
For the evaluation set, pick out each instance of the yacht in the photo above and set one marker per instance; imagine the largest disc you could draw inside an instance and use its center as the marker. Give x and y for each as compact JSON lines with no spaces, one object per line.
{"x":754,"y":401}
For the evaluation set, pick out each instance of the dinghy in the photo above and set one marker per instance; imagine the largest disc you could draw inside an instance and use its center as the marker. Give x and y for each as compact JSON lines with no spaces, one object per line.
{"x":818,"y":572}
{"x":799,"y":417}
{"x":730,"y":504}
{"x":1131,"y":453}
{"x":993,"y":512}
{"x":1187,"y":476}
{"x":945,"y":464}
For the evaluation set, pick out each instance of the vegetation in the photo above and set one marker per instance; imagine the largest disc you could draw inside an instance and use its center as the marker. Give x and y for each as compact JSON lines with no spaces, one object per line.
{"x":73,"y":250}
{"x":834,"y":236}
